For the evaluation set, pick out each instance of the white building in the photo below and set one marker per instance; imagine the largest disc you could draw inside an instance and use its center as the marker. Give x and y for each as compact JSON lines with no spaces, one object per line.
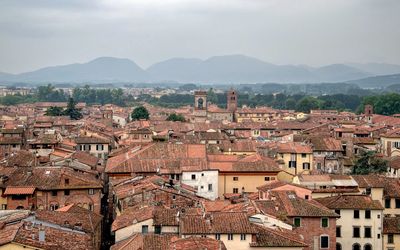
{"x":204,"y":181}
{"x":360,"y":224}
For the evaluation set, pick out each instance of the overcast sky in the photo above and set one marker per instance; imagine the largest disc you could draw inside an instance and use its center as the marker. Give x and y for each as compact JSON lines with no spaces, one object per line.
{"x":34,"y":34}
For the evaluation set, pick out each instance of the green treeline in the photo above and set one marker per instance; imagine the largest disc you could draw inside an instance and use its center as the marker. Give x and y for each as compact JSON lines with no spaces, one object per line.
{"x":384,"y":103}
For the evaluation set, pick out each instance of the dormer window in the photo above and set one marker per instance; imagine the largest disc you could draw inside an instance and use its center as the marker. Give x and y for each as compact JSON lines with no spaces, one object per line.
{"x":66,"y":181}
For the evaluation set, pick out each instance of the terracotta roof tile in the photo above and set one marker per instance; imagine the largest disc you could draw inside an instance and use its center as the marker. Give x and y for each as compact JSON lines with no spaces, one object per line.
{"x":350,"y":202}
{"x":10,"y":190}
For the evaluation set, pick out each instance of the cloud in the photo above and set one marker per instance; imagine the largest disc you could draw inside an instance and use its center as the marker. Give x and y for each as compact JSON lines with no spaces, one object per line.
{"x":34,"y":34}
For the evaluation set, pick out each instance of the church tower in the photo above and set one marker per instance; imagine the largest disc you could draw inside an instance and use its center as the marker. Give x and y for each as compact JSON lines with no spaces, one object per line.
{"x":200,"y":106}
{"x":231,"y":102}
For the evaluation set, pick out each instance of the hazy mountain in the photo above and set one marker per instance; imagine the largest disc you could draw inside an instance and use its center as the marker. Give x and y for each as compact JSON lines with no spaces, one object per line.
{"x":175,"y":69}
{"x":338,"y":73}
{"x":377,"y":81}
{"x":218,"y":69}
{"x":103,"y":69}
{"x":5,"y":76}
{"x":377,"y":68}
{"x":244,"y":69}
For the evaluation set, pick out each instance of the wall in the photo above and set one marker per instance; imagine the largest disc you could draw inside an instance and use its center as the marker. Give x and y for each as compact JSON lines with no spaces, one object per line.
{"x":311,"y":230}
{"x":346,"y":221}
{"x":203,"y":178}
{"x":125,"y":232}
{"x":250,"y":182}
{"x":286,"y":157}
{"x":396,"y":242}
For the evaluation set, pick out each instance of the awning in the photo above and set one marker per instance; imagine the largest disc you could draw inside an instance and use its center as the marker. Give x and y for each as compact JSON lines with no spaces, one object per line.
{"x":19,"y":190}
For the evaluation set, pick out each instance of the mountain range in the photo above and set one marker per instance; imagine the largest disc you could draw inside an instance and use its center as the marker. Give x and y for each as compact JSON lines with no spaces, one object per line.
{"x":218,"y":69}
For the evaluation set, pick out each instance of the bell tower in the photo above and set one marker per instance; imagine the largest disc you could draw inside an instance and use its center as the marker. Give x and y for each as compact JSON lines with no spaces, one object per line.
{"x":231,"y":100}
{"x":200,"y":106}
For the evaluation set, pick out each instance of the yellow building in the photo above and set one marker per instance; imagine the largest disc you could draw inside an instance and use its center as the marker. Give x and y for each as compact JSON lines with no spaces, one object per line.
{"x":294,"y":157}
{"x":263,"y":114}
{"x":390,"y":143}
{"x":391,"y":233}
{"x":242,"y":174}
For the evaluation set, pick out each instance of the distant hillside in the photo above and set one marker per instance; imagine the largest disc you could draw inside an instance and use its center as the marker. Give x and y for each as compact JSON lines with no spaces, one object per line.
{"x":103,"y":69}
{"x":231,"y":69}
{"x":377,"y":68}
{"x":377,"y":81}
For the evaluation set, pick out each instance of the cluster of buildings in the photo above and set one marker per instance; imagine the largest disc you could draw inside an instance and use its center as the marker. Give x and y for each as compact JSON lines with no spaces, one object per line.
{"x":228,"y":178}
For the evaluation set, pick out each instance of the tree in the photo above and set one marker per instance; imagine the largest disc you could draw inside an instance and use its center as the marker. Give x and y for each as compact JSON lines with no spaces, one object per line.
{"x":211,"y":96}
{"x":369,"y":163}
{"x":140,"y":113}
{"x":72,"y":111}
{"x":54,"y":111}
{"x":307,"y":103}
{"x":176,"y":118}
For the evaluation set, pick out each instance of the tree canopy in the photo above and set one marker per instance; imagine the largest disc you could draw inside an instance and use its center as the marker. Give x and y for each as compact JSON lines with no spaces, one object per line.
{"x":369,"y":163}
{"x":71,"y":111}
{"x":176,"y":117}
{"x":140,"y":113}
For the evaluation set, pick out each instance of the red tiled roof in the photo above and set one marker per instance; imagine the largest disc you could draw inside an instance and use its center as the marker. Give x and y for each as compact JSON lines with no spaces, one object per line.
{"x":350,"y":202}
{"x":293,"y":147}
{"x":19,"y":190}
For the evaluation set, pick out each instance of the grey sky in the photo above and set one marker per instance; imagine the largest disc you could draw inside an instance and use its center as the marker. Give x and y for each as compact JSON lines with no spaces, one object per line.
{"x":35,"y":34}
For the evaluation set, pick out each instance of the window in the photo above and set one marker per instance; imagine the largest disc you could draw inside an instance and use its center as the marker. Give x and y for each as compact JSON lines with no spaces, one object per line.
{"x":202,"y":174}
{"x":201,"y":187}
{"x":324,"y":222}
{"x":217,"y":236}
{"x":367,"y":247}
{"x":337,"y":211}
{"x":230,"y":236}
{"x":356,"y":214}
{"x":266,"y":178}
{"x":324,"y":240}
{"x":307,"y":197}
{"x":338,"y":246}
{"x":145,"y":229}
{"x":66,"y":181}
{"x":338,"y":231}
{"x":387,"y":203}
{"x":54,"y":193}
{"x":378,"y":235}
{"x":397,"y":203}
{"x":368,"y":191}
{"x":235,"y":178}
{"x":356,"y":246}
{"x":319,"y":166}
{"x":367,"y":214}
{"x":303,"y":155}
{"x":210,"y":187}
{"x":356,"y":232}
{"x":235,"y":190}
{"x":53,"y":207}
{"x":242,"y":236}
{"x":193,"y":177}
{"x":306,"y":165}
{"x":91,"y":191}
{"x":396,"y":144}
{"x":297,"y":222}
{"x":390,"y":239}
{"x":367,"y":232}
{"x":91,"y":207}
{"x":66,"y":192}
{"x":157,"y":229}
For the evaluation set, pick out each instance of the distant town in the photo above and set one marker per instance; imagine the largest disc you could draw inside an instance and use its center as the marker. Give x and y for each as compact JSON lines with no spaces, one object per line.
{"x":195,"y":167}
